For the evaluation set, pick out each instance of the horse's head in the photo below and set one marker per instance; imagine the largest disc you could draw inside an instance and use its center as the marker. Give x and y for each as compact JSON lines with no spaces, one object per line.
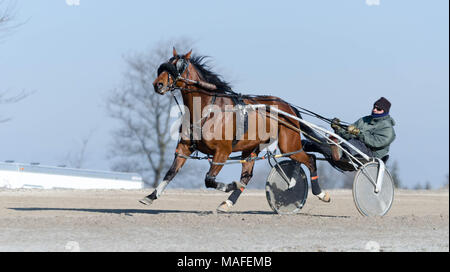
{"x":169,"y":73}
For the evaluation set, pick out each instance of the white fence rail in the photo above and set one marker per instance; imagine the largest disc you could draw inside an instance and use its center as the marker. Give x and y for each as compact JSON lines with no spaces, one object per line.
{"x":20,"y":175}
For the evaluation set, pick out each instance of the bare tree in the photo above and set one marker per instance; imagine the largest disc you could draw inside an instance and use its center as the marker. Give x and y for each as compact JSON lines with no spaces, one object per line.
{"x":425,"y":186}
{"x":6,"y":98}
{"x":393,"y":169}
{"x":7,"y":16}
{"x":77,"y":158}
{"x":6,"y":13}
{"x":142,"y":143}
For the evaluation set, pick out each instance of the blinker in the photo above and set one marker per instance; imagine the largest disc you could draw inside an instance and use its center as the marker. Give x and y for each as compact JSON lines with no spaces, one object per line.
{"x":168,"y":67}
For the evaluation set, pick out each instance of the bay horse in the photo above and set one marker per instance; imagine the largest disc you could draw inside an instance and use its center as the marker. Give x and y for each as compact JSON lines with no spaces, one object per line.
{"x":201,"y":87}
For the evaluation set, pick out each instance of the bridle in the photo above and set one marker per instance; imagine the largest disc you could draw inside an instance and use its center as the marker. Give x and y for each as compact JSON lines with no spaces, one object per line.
{"x":175,"y":72}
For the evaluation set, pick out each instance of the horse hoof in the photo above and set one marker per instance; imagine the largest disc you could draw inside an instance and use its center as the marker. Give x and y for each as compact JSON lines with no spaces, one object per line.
{"x":146,"y":201}
{"x":225,"y":206}
{"x":325,"y":197}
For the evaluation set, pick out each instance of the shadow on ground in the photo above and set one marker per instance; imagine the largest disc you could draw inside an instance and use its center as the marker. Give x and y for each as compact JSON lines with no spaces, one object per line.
{"x":130,"y":212}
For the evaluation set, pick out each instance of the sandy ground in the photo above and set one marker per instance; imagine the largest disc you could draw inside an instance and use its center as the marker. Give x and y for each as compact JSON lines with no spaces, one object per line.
{"x":185,"y":220}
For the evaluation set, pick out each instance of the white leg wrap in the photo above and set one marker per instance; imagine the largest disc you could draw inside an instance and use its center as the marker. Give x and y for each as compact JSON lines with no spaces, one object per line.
{"x":161,"y":187}
{"x":321,"y":195}
{"x":229,"y":203}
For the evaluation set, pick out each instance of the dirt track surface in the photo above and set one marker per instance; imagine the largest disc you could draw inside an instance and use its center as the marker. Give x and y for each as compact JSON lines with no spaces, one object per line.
{"x":185,"y":220}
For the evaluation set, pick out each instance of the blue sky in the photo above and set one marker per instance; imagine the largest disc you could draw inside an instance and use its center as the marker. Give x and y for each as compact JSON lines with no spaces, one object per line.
{"x":333,"y":57}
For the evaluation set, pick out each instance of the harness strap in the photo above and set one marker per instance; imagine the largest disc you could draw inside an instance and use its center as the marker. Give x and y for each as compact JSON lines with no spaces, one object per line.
{"x":193,"y":146}
{"x":200,"y":83}
{"x":241,"y":117}
{"x":238,"y":159}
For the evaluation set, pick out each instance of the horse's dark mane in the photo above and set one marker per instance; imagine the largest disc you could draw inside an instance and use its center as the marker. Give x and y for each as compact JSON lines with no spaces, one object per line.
{"x":207,"y":75}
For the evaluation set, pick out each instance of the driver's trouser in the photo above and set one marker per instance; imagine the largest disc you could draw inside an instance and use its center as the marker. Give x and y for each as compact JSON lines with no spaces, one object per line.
{"x":325,"y":148}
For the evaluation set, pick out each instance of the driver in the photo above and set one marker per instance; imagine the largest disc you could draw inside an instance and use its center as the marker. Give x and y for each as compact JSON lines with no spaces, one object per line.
{"x":371,"y":134}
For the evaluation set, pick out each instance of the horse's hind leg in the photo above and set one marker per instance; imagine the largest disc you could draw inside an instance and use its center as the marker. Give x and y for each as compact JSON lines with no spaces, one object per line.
{"x":178,"y":162}
{"x":290,"y":142}
{"x":315,"y":187}
{"x":310,"y":161}
{"x":246,"y":175}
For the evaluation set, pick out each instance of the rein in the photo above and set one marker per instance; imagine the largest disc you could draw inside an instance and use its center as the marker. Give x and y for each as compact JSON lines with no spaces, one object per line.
{"x":206,"y":88}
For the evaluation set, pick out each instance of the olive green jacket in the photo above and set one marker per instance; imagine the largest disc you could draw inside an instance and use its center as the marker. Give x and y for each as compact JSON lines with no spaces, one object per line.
{"x":376,"y":133}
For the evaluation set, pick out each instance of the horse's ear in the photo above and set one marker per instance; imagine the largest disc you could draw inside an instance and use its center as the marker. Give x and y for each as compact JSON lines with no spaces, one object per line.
{"x":174,"y":52}
{"x":188,"y":55}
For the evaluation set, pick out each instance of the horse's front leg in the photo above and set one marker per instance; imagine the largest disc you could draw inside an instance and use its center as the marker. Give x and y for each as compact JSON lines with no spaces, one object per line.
{"x":178,"y":162}
{"x":218,"y":161}
{"x":246,"y":175}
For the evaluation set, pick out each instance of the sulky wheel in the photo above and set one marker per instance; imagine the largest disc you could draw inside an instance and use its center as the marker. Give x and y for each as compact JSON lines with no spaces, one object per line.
{"x":367,"y":200}
{"x":287,"y":189}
